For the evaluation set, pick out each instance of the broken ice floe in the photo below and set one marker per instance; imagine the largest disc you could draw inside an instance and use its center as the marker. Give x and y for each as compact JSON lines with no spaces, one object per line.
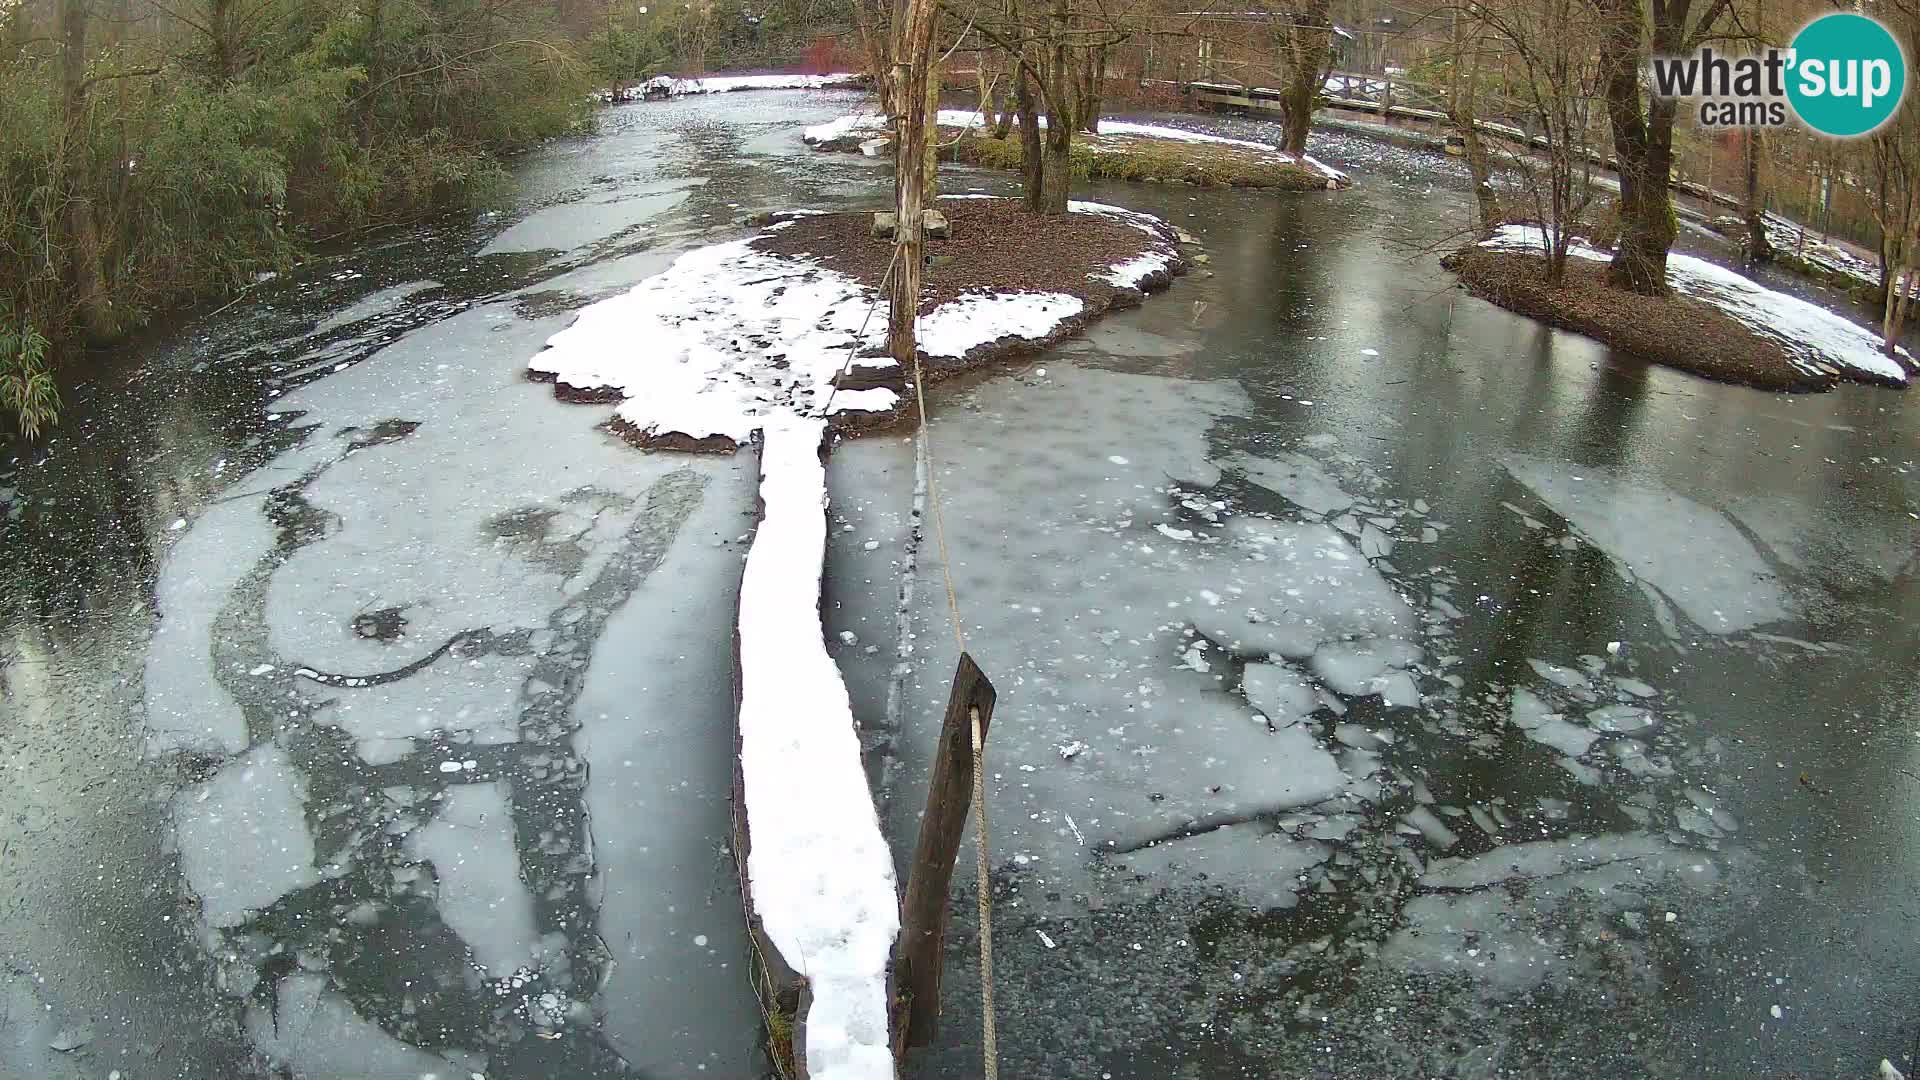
{"x":1689,"y":553}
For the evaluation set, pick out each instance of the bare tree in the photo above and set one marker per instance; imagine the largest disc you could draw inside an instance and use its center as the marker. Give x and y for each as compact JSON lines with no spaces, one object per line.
{"x":1552,"y":86}
{"x":1309,"y":45}
{"x":1463,"y":93}
{"x":1642,"y":124}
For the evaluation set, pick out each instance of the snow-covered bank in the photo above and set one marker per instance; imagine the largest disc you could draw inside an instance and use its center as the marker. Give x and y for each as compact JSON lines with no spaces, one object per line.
{"x":819,"y":872}
{"x":1817,"y":341}
{"x":730,"y":335}
{"x":726,"y":337}
{"x":666,"y":86}
{"x":1112,"y":134}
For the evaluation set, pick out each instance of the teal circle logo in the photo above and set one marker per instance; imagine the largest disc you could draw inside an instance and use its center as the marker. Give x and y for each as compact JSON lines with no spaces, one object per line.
{"x":1848,"y":75}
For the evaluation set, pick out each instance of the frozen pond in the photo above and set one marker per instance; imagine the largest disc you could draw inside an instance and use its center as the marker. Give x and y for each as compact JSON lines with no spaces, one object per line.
{"x":1388,"y":685}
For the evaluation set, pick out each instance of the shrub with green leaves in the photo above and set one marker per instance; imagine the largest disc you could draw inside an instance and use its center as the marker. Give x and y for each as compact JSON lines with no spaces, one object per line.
{"x":28,"y":396}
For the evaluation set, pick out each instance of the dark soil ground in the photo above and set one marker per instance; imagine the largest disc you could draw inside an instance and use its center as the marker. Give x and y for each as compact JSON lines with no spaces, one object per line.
{"x":1677,"y":331}
{"x":995,"y":246}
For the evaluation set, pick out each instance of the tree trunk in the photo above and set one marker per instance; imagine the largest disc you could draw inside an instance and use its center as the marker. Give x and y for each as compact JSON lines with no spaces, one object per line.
{"x":1033,"y":163}
{"x":84,"y":273}
{"x":1464,"y":91}
{"x":930,"y":184}
{"x":376,"y":13}
{"x":222,"y":45}
{"x":1758,"y":249}
{"x":985,"y":87}
{"x":912,"y":59}
{"x":1893,"y":256}
{"x":1311,"y":42}
{"x":1058,"y":90}
{"x":874,"y":42}
{"x":1093,"y":78}
{"x":1058,"y":179}
{"x":1643,"y":143}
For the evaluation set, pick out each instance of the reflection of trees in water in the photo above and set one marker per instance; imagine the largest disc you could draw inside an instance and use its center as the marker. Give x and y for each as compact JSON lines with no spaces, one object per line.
{"x":375,"y":928}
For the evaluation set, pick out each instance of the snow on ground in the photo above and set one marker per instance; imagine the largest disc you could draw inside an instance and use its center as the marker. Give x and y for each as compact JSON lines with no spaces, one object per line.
{"x":962,"y":118}
{"x":723,"y":84}
{"x":820,"y":873}
{"x":1792,"y":238}
{"x":729,"y":336}
{"x":1816,"y":340}
{"x":959,"y":325}
{"x":722,"y":339}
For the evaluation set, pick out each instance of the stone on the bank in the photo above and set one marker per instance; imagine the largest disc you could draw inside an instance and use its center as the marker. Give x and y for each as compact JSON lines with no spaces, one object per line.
{"x":883,"y":224}
{"x":934,"y":225}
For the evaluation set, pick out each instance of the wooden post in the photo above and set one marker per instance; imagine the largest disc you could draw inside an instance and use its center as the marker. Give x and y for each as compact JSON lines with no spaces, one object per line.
{"x":923,"y":918}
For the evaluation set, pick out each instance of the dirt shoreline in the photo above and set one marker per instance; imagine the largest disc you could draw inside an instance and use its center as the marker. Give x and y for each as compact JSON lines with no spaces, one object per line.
{"x":1676,"y":331}
{"x":995,"y":248}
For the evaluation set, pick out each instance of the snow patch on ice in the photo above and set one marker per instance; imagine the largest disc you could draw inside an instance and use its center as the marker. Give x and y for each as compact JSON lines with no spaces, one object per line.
{"x":1558,"y":897}
{"x":243,"y":836}
{"x":1296,"y":477}
{"x":471,"y":845}
{"x":1248,"y":861}
{"x":1691,"y":554}
{"x":1312,"y":587}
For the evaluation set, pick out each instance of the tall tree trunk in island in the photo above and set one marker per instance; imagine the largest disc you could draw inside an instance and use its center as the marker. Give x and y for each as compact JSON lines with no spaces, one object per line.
{"x":1758,"y":249}
{"x":1093,"y":82}
{"x":83,"y":271}
{"x":1643,"y":143}
{"x":1057,"y":184}
{"x":1057,"y":181}
{"x":1462,"y":96}
{"x":912,"y":57}
{"x":1033,"y":162}
{"x":1311,"y":42}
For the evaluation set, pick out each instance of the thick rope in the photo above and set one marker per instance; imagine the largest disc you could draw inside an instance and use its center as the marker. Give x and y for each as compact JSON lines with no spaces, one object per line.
{"x":989,"y":1037}
{"x":846,"y":365}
